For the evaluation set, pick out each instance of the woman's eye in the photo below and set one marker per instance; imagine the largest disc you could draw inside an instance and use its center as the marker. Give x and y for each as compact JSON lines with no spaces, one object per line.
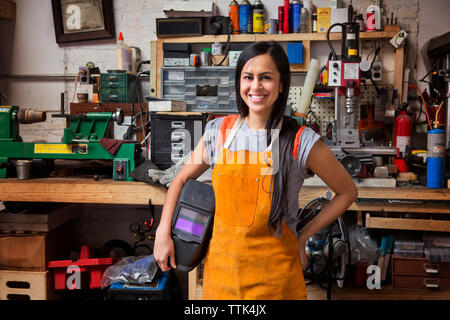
{"x":248,"y":78}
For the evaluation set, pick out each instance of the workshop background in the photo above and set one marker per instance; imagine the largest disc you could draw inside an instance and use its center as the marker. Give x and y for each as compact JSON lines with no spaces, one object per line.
{"x":35,"y":70}
{"x":34,"y":51}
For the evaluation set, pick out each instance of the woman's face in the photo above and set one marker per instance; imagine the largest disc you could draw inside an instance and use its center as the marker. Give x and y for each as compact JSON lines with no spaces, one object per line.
{"x":260,"y":84}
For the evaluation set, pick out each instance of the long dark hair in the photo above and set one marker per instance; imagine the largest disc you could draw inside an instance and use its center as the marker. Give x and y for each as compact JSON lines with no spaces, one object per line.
{"x":288,"y":131}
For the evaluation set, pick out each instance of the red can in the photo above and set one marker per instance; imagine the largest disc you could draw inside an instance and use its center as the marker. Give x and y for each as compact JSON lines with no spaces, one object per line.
{"x":370,"y":21}
{"x":280,"y":19}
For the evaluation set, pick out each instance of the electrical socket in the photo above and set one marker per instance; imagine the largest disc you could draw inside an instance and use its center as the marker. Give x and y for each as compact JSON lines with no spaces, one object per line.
{"x":377,"y":71}
{"x":399,"y":38}
{"x":85,"y":75}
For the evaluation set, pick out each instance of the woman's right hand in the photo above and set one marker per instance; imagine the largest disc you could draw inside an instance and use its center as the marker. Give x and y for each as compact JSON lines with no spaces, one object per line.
{"x":164,"y":250}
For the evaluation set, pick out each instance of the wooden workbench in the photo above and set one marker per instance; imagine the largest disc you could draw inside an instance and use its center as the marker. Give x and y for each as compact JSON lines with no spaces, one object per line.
{"x":83,"y":190}
{"x":78,"y":190}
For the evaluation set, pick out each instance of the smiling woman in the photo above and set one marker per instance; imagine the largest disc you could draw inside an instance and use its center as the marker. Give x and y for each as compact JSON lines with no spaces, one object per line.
{"x":255,"y":252}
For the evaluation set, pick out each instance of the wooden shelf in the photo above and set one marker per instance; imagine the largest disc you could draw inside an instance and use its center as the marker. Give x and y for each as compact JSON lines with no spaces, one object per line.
{"x":418,"y":193}
{"x":278,"y":37}
{"x":407,"y":224}
{"x":7,"y":10}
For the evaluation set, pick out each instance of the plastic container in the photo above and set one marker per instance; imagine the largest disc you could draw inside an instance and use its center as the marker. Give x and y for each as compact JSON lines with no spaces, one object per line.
{"x":124,"y":55}
{"x":408,"y":245}
{"x":434,"y":254}
{"x":409,"y":253}
{"x":209,"y":89}
{"x":436,"y":240}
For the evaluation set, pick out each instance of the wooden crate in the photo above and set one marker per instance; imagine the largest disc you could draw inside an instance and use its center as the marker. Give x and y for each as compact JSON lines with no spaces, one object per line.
{"x":39,"y":222}
{"x":31,"y":252}
{"x":24,"y":285}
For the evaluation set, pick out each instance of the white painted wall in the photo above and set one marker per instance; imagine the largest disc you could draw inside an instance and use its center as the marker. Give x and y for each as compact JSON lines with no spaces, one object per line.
{"x":28,"y":46}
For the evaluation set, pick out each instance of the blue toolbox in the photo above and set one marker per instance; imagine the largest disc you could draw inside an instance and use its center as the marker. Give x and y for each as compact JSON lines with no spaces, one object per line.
{"x":161,"y":288}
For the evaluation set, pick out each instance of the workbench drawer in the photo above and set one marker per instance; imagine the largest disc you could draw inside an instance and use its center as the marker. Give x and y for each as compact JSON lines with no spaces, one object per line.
{"x":420,"y":282}
{"x":419,"y":266}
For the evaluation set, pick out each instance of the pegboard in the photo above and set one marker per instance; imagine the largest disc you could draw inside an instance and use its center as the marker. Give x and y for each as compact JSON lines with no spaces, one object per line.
{"x":323,"y":109}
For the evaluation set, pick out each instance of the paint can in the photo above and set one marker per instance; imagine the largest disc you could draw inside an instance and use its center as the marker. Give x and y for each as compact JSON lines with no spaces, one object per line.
{"x":270,"y":26}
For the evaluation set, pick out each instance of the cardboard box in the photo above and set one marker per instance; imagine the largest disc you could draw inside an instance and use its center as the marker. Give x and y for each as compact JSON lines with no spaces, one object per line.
{"x":32,"y":252}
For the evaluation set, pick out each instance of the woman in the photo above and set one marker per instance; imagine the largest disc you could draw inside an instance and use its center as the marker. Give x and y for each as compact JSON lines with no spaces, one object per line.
{"x":254,"y":252}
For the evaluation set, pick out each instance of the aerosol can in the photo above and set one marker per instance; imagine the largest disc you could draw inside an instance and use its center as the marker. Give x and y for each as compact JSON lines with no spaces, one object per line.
{"x":234,"y":16}
{"x":258,"y":17}
{"x":245,"y":16}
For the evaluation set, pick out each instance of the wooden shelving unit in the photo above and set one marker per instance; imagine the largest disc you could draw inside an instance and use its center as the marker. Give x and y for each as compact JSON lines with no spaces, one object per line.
{"x":157,"y":54}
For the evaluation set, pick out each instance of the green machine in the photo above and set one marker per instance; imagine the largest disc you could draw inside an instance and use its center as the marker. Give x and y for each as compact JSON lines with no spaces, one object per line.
{"x":81,"y":140}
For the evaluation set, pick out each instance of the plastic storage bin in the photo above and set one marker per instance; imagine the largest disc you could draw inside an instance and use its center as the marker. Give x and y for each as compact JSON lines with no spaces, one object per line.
{"x":408,"y":245}
{"x":205,"y":89}
{"x":408,"y":253}
{"x":437,"y":254}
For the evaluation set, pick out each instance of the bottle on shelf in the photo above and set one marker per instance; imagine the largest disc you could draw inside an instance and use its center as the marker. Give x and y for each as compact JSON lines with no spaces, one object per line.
{"x":304,"y":19}
{"x":124,"y":55}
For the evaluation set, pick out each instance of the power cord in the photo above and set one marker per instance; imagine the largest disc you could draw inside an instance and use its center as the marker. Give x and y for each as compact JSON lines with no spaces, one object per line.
{"x":133,"y":128}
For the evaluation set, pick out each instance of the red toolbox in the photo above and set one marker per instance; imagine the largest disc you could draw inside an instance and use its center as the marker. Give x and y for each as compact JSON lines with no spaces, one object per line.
{"x":93,"y":268}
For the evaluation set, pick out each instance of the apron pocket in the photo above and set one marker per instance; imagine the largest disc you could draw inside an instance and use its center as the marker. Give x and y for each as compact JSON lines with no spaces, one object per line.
{"x":236,"y":199}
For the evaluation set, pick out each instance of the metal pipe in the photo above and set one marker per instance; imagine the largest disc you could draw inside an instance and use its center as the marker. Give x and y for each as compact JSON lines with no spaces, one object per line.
{"x":39,"y":76}
{"x":387,"y":151}
{"x":70,"y":77}
{"x":447,"y":125}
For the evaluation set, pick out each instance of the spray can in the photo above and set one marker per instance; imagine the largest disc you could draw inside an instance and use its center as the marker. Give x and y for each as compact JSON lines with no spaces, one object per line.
{"x":234,"y":16}
{"x":244,"y":16}
{"x":280,"y":19}
{"x":296,"y":8}
{"x":258,"y":17}
{"x":286,"y":16}
{"x":435,"y":158}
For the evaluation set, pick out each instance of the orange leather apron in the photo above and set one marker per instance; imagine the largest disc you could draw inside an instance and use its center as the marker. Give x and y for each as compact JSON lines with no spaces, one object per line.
{"x":245,"y":260}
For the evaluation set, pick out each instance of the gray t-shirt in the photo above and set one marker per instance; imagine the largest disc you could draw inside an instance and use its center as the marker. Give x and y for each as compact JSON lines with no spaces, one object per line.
{"x":256,"y":141}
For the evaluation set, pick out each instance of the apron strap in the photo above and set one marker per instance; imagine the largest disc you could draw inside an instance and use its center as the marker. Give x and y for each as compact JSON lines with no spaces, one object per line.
{"x":275,"y":135}
{"x":233,"y":132}
{"x":297,"y":142}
